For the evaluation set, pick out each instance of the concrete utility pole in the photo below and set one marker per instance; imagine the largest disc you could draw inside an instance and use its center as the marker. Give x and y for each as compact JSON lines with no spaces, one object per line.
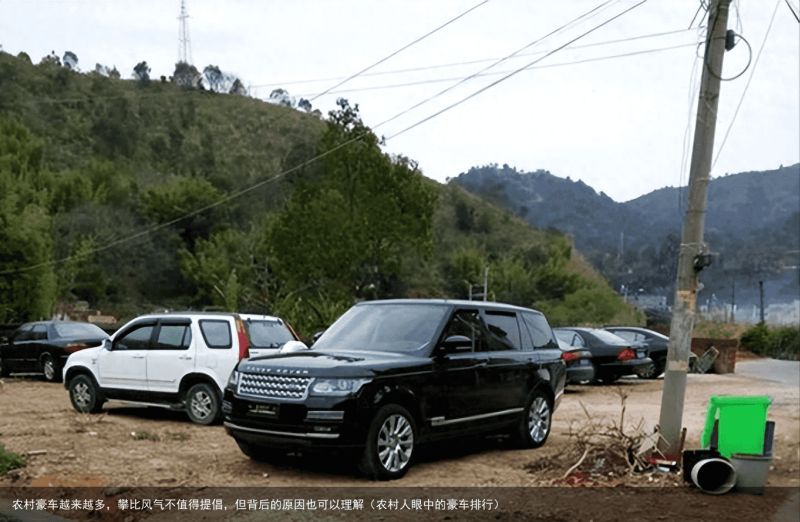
{"x":693,"y":255}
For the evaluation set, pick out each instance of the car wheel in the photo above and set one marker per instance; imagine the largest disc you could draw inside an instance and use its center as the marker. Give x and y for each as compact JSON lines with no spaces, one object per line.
{"x":202,"y":404}
{"x":390,"y":444}
{"x":84,"y":395}
{"x":535,"y":423}
{"x":651,"y":371}
{"x":261,"y":453}
{"x":50,"y":369}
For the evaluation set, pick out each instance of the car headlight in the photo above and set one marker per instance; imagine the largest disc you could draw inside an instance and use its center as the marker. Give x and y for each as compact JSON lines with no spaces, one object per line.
{"x":337,"y":387}
{"x":233,"y":380}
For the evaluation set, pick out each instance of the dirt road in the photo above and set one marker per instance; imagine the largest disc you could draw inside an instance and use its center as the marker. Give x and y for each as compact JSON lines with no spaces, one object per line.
{"x":128,"y":446}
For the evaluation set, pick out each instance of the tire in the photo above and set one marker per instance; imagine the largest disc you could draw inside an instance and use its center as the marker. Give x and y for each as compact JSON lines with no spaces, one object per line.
{"x":50,"y":369}
{"x":3,"y":368}
{"x":390,"y":444}
{"x":84,"y":395}
{"x":652,"y":371}
{"x":536,"y":421}
{"x":203,"y":404}
{"x":260,"y":453}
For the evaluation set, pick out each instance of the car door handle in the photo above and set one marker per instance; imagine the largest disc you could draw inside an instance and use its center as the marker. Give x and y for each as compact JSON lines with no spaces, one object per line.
{"x":185,"y":357}
{"x":137,"y":357}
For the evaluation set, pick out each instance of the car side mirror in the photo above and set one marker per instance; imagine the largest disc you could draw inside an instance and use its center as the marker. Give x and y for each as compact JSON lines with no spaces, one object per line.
{"x":457,"y":343}
{"x":107,"y":344}
{"x":4,"y":340}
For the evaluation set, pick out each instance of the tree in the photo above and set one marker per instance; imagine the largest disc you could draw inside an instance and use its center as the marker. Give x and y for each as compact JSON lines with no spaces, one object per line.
{"x":349,"y":232}
{"x":215,"y":78}
{"x":70,"y":61}
{"x":238,"y":88}
{"x":186,"y":76}
{"x":141,"y":73}
{"x":281,"y":97}
{"x":304,"y":105}
{"x":114,"y":73}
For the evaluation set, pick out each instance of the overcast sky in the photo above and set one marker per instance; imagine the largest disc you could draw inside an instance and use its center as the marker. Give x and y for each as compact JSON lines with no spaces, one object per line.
{"x":617,"y":124}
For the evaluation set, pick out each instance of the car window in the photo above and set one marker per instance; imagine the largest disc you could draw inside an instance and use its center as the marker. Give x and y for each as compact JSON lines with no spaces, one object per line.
{"x":217,"y":333}
{"x":39,"y":332}
{"x":503,"y":331}
{"x":78,"y":330}
{"x":625,"y":334}
{"x":174,"y":337}
{"x":136,"y":339}
{"x":540,"y":331}
{"x":24,"y":333}
{"x":608,"y":338}
{"x":570,"y":337}
{"x":268,"y":334}
{"x":468,"y":323}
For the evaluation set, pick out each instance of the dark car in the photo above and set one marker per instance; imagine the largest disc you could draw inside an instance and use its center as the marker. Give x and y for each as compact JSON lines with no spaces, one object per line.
{"x":44,"y":346}
{"x":390,"y":375}
{"x":655,"y":343}
{"x":578,"y":362}
{"x":612,"y":356}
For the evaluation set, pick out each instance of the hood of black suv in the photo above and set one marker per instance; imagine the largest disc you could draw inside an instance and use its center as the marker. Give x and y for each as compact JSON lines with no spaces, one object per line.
{"x":335,"y":364}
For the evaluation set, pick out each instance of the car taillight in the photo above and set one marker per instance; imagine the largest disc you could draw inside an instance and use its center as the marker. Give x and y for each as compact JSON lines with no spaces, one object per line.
{"x":244,"y":341}
{"x":74,"y":347}
{"x":626,"y":355}
{"x":570,"y":356}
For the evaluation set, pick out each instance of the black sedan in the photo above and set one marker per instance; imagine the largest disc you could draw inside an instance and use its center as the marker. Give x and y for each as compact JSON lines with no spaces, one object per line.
{"x":655,"y":343}
{"x":578,"y":362}
{"x":43,"y":347}
{"x":612,"y":356}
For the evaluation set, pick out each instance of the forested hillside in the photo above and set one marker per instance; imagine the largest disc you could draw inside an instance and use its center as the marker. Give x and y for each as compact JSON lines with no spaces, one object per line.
{"x":752,"y":225}
{"x":136,"y":195}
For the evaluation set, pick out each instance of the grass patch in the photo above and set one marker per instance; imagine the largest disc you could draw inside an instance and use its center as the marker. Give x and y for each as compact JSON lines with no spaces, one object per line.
{"x":10,"y":460}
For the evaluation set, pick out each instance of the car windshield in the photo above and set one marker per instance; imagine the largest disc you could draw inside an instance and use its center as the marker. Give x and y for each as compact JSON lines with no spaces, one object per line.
{"x":388,"y":327}
{"x":69,"y":330}
{"x":268,"y":334}
{"x":609,"y":338}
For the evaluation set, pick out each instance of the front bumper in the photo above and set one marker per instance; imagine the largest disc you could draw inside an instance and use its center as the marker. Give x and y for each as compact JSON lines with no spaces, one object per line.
{"x":314,"y":422}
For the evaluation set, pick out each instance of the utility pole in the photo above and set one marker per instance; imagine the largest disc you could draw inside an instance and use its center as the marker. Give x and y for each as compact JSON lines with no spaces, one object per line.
{"x":486,"y":284}
{"x":761,"y":299}
{"x":693,"y":255}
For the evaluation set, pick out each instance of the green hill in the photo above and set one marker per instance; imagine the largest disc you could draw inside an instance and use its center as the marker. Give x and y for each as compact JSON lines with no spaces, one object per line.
{"x":135,"y":196}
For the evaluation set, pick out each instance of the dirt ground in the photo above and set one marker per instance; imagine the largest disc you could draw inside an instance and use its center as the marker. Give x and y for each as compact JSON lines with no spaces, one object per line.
{"x":149,"y":447}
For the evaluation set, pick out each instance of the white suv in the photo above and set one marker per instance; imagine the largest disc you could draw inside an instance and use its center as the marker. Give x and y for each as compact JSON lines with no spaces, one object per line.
{"x":174,"y":360}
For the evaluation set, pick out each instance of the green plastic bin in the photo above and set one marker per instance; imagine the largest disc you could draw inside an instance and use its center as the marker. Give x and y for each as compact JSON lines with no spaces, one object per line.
{"x":742,"y":421}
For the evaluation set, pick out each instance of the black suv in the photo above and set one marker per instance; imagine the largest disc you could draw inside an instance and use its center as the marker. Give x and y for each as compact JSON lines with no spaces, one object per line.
{"x":389,"y":375}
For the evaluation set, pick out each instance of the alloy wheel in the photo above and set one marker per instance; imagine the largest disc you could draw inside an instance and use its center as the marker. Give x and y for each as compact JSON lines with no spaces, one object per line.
{"x":539,"y":419}
{"x":81,"y":394}
{"x":395,"y":443}
{"x":202,"y":404}
{"x":49,"y":369}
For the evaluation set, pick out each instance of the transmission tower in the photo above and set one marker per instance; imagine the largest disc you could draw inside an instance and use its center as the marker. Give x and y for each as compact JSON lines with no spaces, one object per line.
{"x":184,"y":44}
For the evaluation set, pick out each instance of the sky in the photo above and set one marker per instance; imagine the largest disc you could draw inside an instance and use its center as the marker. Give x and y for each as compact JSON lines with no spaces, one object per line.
{"x":622,"y":124}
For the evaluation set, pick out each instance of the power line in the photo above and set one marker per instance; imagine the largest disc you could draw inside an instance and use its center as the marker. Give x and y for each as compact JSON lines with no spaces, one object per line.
{"x":791,"y":8}
{"x":461,"y":81}
{"x":469,"y":62}
{"x":499,"y":73}
{"x":395,"y":53}
{"x":746,"y":85}
{"x":513,"y":73}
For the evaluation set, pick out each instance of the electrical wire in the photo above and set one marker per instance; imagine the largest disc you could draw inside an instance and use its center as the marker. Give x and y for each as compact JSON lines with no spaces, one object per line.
{"x":499,"y":73}
{"x":794,"y":13}
{"x":746,"y":86}
{"x":694,"y":80}
{"x":469,"y":62}
{"x":513,"y":73}
{"x":398,"y":51}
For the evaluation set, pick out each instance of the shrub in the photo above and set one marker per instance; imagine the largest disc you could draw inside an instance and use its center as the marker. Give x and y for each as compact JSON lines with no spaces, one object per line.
{"x":781,"y":342}
{"x":9,"y":460}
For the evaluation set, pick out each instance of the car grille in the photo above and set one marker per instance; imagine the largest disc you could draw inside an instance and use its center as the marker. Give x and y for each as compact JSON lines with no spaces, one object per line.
{"x":273,"y":386}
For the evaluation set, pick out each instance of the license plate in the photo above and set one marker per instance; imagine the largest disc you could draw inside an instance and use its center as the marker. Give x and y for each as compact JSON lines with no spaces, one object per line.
{"x":584,"y":362}
{"x":641,"y":354}
{"x":264,"y":409}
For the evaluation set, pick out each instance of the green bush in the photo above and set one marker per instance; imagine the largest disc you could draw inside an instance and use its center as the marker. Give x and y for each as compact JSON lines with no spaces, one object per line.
{"x":781,"y":342}
{"x":9,"y":460}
